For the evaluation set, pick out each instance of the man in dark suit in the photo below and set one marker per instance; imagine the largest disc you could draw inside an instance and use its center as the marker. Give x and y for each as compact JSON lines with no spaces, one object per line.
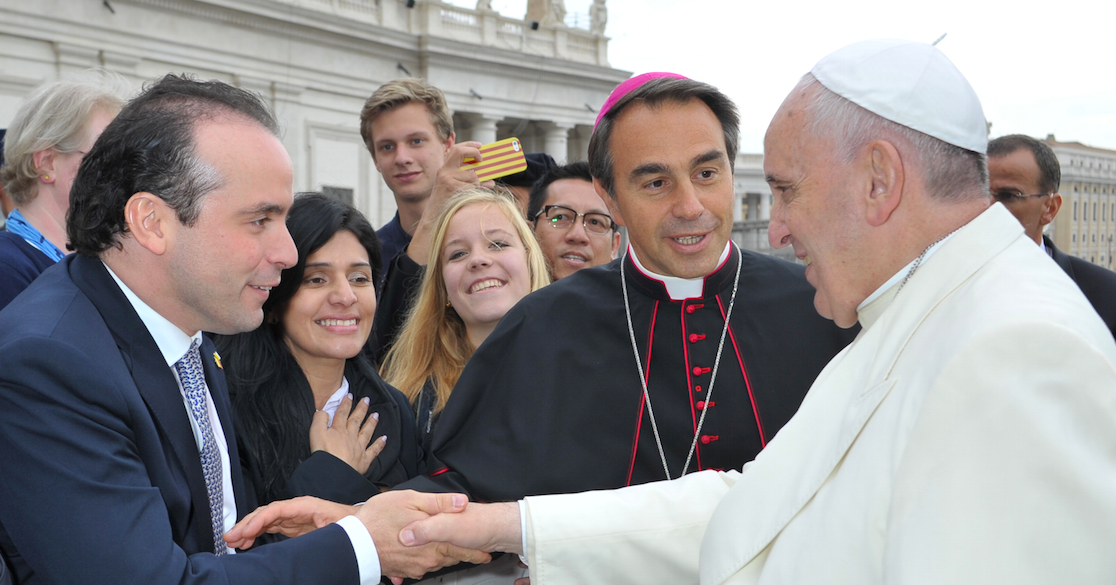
{"x":118,"y":458}
{"x":1024,"y":176}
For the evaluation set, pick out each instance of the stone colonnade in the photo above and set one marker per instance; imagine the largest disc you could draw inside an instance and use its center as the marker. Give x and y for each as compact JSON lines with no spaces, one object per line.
{"x":565,"y":141}
{"x":756,"y":205}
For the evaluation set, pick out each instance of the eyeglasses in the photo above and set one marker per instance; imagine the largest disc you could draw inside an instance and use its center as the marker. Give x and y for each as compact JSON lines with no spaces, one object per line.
{"x":563,"y":218}
{"x":1012,"y":196}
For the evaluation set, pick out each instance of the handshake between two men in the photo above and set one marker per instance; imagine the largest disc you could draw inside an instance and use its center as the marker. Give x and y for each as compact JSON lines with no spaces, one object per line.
{"x":414,"y":533}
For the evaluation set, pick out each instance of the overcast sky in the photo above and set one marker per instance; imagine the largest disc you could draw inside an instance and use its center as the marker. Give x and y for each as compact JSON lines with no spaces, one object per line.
{"x":1039,"y":67}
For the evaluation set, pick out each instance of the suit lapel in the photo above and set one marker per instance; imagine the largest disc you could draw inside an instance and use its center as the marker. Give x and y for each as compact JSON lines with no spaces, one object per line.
{"x":1060,"y":258}
{"x":218,"y":390}
{"x":809,"y":449}
{"x":153,"y":379}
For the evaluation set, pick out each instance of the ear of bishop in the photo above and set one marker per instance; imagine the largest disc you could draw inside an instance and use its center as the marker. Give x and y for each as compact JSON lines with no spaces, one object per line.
{"x":909,"y":83}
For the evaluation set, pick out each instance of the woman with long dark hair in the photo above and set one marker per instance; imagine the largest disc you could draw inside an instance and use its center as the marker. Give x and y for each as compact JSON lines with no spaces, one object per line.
{"x":313,"y":417}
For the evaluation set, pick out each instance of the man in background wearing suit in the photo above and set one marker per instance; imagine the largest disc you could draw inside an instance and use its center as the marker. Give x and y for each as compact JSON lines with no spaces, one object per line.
{"x":1024,"y":175}
{"x":118,"y":458}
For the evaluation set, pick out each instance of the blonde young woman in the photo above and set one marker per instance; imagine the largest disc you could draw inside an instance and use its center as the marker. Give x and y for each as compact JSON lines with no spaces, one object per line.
{"x":483,"y":260}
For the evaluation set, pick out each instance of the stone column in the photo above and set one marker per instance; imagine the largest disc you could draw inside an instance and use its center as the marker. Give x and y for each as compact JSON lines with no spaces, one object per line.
{"x":489,"y":23}
{"x":561,"y":40}
{"x":483,"y":128}
{"x":738,"y":206}
{"x":765,"y":206}
{"x":557,"y":140}
{"x":579,"y":143}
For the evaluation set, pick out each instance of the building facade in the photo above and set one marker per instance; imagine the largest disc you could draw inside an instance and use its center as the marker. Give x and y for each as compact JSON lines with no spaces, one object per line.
{"x":752,"y":210}
{"x":316,"y":61}
{"x":1086,"y":225}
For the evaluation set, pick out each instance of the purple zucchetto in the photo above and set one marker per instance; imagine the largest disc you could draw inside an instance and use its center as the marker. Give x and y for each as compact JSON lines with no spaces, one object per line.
{"x":628,"y":87}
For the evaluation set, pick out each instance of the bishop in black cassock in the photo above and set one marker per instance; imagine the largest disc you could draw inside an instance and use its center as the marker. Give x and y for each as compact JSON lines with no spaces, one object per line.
{"x":552,"y":401}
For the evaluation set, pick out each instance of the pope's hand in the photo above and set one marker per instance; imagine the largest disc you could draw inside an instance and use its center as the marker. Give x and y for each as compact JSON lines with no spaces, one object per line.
{"x":385,"y":516}
{"x":488,"y":527}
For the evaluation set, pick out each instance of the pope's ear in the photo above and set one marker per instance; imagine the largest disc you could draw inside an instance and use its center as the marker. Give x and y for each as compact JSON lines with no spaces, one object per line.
{"x":886,"y":171}
{"x":150,"y":221}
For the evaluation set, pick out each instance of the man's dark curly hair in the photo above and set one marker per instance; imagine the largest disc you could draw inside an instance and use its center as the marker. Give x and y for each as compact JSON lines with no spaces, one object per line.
{"x":150,"y":148}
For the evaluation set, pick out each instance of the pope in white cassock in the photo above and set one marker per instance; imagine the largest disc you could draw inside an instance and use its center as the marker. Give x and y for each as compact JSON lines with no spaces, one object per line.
{"x":968,"y":434}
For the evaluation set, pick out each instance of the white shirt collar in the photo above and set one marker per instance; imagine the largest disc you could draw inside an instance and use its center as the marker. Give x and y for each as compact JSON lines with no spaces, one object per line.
{"x":173,"y":342}
{"x":334,"y":401}
{"x":894,"y":280}
{"x":679,"y":289}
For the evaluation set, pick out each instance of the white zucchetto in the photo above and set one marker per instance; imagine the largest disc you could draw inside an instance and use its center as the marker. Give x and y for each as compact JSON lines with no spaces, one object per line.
{"x":912,"y":84}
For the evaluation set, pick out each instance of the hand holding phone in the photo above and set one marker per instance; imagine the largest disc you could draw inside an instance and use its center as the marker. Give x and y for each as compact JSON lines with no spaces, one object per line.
{"x":499,"y":159}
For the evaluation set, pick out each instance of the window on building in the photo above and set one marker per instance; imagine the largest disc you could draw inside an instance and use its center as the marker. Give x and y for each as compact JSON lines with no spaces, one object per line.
{"x":1075,"y":238}
{"x":1094,"y":210}
{"x":1074,"y":211}
{"x":1094,"y":238}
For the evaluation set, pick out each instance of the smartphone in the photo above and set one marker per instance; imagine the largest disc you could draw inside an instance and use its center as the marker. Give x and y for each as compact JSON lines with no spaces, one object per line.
{"x":501,"y":158}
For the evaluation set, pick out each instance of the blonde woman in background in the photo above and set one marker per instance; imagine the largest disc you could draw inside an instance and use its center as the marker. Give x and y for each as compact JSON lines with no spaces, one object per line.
{"x":54,"y":127}
{"x":483,"y":260}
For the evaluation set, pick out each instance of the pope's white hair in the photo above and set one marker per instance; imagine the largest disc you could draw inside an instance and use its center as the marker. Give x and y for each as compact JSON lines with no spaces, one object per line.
{"x":951,"y":172}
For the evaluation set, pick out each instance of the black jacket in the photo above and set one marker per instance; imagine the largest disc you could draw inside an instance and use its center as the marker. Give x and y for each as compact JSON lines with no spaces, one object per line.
{"x":1098,"y":283}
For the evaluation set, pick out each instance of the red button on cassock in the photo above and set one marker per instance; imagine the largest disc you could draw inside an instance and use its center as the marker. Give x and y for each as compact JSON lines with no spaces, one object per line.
{"x":697,"y":388}
{"x":690,"y":309}
{"x":700,"y":370}
{"x":706,"y":439}
{"x":700,"y":404}
{"x":696,"y":337}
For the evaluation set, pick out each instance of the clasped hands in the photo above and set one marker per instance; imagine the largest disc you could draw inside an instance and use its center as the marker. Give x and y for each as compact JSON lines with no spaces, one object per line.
{"x":414,"y":532}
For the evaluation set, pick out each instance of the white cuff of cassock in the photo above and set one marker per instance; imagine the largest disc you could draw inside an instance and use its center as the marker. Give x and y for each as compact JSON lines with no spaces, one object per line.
{"x":368,"y":560}
{"x":523,"y":529}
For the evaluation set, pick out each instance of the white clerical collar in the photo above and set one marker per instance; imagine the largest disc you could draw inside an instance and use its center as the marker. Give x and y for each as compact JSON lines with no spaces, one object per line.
{"x":679,"y":289}
{"x":173,"y":342}
{"x":894,"y":280}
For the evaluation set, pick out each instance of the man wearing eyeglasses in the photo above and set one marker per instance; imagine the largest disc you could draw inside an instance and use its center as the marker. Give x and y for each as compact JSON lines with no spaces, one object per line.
{"x":1024,"y":176}
{"x":571,"y":221}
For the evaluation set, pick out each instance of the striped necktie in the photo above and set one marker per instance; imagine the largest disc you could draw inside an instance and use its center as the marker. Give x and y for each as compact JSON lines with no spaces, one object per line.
{"x":193,"y":382}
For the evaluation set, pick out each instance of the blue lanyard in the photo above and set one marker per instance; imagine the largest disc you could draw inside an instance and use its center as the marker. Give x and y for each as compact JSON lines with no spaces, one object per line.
{"x":19,"y":226}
